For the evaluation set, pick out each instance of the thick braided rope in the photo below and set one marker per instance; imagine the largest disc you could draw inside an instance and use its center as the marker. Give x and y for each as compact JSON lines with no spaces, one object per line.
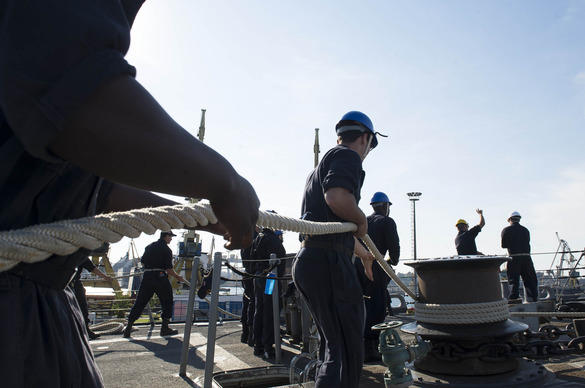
{"x":39,"y":242}
{"x":277,"y":221}
{"x":112,"y":326}
{"x":458,"y":314}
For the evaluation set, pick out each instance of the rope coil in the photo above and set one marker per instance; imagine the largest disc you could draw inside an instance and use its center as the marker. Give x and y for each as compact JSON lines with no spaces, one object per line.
{"x":459,"y":314}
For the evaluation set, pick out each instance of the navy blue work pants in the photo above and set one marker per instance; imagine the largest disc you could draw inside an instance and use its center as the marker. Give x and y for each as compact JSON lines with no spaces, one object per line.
{"x":522,"y":266}
{"x":328,"y":283}
{"x":152,"y":283}
{"x":377,"y":297}
{"x":248,"y":302}
{"x":263,"y":316}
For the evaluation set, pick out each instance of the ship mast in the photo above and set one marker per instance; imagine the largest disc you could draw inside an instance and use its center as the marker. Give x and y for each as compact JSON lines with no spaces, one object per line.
{"x":201,"y":133}
{"x":316,"y":147}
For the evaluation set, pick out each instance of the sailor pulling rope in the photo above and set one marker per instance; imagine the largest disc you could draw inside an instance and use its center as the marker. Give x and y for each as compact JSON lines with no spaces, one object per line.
{"x":39,"y":242}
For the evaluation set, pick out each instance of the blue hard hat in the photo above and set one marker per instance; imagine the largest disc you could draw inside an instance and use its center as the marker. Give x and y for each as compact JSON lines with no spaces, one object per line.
{"x":380,"y":197}
{"x":355,"y":120}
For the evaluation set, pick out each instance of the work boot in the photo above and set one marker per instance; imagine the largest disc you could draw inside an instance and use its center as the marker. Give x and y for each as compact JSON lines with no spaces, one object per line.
{"x":128,"y":330}
{"x":245,"y":334}
{"x":258,"y":348}
{"x":166,"y":330}
{"x":269,"y":353}
{"x":92,"y":335}
{"x":371,"y":351}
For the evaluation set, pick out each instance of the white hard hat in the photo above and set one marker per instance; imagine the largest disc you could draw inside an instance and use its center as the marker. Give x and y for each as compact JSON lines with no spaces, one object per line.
{"x":514,"y":215}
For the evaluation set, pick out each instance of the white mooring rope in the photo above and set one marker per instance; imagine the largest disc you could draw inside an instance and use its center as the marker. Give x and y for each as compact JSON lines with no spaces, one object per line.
{"x":112,"y":326}
{"x":458,"y":314}
{"x":39,"y":242}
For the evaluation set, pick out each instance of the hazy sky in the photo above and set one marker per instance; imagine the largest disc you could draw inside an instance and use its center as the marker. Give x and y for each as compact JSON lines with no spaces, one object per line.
{"x":483,"y":102}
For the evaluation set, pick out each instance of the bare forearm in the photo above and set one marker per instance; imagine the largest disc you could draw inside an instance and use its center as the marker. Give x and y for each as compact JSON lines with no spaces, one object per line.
{"x":99,"y":273}
{"x":123,"y":198}
{"x":359,"y":250}
{"x":124,"y":135}
{"x":172,"y":272}
{"x":481,"y":219}
{"x":366,"y":257}
{"x":343,"y":204}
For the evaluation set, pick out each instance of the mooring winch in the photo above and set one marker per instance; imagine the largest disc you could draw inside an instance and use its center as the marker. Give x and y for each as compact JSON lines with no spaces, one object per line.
{"x":461,"y":311}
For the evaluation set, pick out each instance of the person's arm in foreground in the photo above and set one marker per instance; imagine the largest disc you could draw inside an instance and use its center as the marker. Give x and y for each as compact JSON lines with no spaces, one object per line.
{"x":122,"y":134}
{"x":124,"y":198}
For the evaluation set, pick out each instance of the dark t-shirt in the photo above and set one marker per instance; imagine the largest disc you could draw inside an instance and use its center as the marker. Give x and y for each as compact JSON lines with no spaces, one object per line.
{"x":54,"y":55}
{"x":465,"y":241}
{"x":516,"y":238}
{"x":382,"y":230}
{"x":265,"y":244}
{"x":157,"y":255}
{"x":340,"y":167}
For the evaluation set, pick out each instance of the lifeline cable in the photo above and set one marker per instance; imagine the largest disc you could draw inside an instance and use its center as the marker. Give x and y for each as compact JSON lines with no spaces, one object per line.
{"x":224,"y":311}
{"x":39,"y":242}
{"x":246,"y":275}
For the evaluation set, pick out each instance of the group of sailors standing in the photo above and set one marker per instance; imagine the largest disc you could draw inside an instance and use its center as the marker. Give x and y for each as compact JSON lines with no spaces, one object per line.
{"x":257,"y":310}
{"x":516,"y":239}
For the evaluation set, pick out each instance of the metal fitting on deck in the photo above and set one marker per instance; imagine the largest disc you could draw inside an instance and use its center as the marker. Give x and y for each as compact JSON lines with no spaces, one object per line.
{"x":395,"y":353}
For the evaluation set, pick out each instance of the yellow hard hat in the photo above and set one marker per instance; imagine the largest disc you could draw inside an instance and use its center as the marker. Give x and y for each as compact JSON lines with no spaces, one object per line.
{"x":461,"y":221}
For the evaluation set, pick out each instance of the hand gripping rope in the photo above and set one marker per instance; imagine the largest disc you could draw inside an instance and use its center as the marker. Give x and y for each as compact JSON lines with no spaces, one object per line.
{"x":39,"y":242}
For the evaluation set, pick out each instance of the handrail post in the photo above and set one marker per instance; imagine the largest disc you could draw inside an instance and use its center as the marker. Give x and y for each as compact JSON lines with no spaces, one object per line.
{"x":212,"y":328}
{"x":276,"y":310}
{"x":189,"y":317}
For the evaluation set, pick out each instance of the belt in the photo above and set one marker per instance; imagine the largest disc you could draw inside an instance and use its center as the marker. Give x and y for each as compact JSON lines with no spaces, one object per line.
{"x":330,"y":246}
{"x":161,"y":272}
{"x":45,"y":273}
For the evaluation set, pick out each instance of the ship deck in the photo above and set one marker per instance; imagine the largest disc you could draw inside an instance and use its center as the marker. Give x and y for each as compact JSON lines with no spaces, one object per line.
{"x":148,"y":360}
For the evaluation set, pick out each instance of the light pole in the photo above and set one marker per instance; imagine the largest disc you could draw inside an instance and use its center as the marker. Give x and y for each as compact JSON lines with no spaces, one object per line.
{"x":413,"y":197}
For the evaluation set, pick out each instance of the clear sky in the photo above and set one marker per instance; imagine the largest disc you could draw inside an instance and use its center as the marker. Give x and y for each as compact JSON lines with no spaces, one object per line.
{"x":483,"y":103}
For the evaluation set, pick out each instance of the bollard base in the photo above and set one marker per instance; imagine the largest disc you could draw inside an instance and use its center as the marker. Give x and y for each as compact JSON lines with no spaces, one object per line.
{"x":528,"y":375}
